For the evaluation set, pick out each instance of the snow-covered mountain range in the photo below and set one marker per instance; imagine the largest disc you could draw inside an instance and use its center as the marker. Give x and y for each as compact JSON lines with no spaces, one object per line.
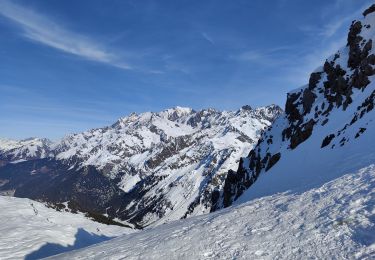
{"x":143,"y":167}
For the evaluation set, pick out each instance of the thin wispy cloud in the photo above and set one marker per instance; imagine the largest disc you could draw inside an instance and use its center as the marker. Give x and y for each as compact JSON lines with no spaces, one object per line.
{"x":300,"y":68}
{"x":44,"y":30}
{"x":332,"y":27}
{"x":253,"y":55}
{"x":329,"y":30}
{"x":332,"y":37}
{"x":329,"y":39}
{"x":207,"y":38}
{"x":266,"y":57}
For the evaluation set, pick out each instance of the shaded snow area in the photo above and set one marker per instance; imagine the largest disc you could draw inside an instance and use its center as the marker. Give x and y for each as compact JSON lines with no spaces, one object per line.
{"x":29,"y":230}
{"x":334,"y":221}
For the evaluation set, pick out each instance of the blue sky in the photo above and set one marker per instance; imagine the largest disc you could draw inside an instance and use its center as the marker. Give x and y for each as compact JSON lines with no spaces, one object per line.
{"x":67,"y":66}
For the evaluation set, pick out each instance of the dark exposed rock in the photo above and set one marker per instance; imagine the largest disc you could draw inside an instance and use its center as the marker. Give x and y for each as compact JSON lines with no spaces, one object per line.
{"x":327,"y":140}
{"x":359,"y":59}
{"x":229,"y":191}
{"x":215,"y":196}
{"x":192,"y":206}
{"x":237,"y":182}
{"x":247,"y":107}
{"x":361,"y":131}
{"x":342,"y":141}
{"x":336,"y":86}
{"x":314,"y":79}
{"x":364,"y":108}
{"x":301,"y":134}
{"x":308,"y":100}
{"x":369,"y":10}
{"x":354,"y":40}
{"x":273,"y":160}
{"x":364,"y":69}
{"x":290,"y":108}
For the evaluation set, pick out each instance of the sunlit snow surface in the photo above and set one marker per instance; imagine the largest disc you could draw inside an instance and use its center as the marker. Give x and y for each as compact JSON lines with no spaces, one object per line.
{"x":30,"y":230}
{"x":335,"y":221}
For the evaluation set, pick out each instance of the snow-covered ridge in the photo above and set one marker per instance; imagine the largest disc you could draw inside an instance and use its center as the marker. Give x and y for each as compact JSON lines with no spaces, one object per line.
{"x":334,"y":221}
{"x":30,"y":229}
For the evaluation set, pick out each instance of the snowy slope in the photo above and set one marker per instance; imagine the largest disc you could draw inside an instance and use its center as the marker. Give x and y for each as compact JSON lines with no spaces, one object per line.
{"x":328,"y":126}
{"x":167,"y":165}
{"x":30,"y":229}
{"x":335,"y":221}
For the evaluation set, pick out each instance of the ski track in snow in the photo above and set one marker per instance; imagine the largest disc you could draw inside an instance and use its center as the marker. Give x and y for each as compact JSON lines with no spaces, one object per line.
{"x":334,"y":221}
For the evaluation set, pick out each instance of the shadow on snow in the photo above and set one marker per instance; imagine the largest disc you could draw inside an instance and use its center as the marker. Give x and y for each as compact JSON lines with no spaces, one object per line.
{"x":82,"y":239}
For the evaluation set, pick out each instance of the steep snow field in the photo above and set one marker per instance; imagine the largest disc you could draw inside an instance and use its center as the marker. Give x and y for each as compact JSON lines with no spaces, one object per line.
{"x":335,"y":221}
{"x":30,"y":230}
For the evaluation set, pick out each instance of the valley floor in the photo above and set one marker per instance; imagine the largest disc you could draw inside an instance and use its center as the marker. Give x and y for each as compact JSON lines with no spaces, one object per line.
{"x":335,"y":221}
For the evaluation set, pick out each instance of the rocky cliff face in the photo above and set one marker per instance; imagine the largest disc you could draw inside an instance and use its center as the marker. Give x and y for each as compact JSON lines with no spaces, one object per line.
{"x":144,"y":168}
{"x":333,"y":111}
